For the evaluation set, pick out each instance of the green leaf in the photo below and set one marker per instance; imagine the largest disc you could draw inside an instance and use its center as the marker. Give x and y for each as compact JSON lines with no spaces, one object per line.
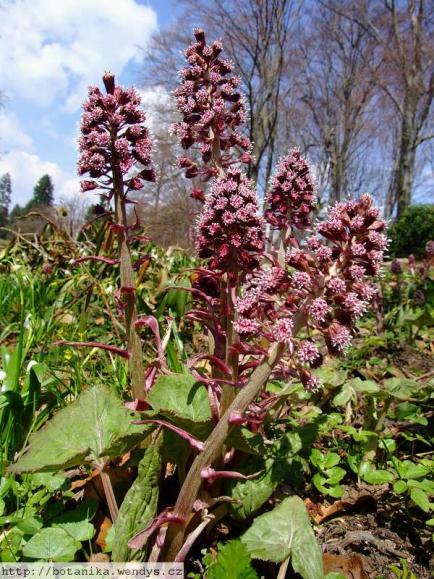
{"x":425,"y":484}
{"x":420,"y":498}
{"x":327,"y":487}
{"x":378,"y":477}
{"x":401,"y":388}
{"x":408,"y":469}
{"x":284,"y":532}
{"x":335,"y":474}
{"x":330,"y":376}
{"x":182,"y":396}
{"x":77,"y":522}
{"x":317,"y":458}
{"x":399,"y":487}
{"x":233,"y":560}
{"x":343,"y":396}
{"x":252,"y":494}
{"x":50,"y":480}
{"x":365,"y":386}
{"x":140,"y":503}
{"x":95,"y":425}
{"x":52,"y":544}
{"x":331,"y":459}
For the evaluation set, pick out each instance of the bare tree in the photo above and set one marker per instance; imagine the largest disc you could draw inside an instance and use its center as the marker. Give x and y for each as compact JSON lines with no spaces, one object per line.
{"x":71,"y":212}
{"x":404,"y":30}
{"x":165,"y":207}
{"x":338,"y":66}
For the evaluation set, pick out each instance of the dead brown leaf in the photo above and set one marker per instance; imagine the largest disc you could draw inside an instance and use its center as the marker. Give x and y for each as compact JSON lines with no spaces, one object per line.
{"x":351,"y":567}
{"x":102,"y":532}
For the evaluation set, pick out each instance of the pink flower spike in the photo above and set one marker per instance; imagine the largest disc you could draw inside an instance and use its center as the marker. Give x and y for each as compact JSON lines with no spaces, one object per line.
{"x":291,"y":199}
{"x":282,"y":331}
{"x":319,"y":310}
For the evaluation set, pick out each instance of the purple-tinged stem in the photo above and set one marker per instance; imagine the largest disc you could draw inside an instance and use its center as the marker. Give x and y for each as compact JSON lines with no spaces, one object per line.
{"x":214,"y":443}
{"x":135,"y":366}
{"x":109,"y":494}
{"x":113,"y":349}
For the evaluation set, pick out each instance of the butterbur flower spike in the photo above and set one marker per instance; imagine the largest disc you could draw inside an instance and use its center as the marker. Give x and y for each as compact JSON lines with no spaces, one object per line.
{"x":291,"y":198}
{"x":114,"y":139}
{"x":230,"y":227}
{"x":212,"y":109}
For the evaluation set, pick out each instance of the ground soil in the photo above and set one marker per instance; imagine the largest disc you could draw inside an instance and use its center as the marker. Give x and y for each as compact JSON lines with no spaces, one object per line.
{"x":375,"y":535}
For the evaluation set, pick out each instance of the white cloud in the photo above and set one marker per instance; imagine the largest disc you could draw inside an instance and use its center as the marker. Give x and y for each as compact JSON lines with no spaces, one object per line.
{"x":24,"y":165}
{"x":26,"y":168}
{"x":12,"y":134}
{"x":53,"y":49}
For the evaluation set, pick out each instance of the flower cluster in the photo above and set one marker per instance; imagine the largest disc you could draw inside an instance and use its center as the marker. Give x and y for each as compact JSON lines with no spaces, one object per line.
{"x":291,"y":198}
{"x":212,"y":109}
{"x":340,"y":266}
{"x":114,"y":139}
{"x":328,"y":280}
{"x":324,"y":283}
{"x":230,"y":228}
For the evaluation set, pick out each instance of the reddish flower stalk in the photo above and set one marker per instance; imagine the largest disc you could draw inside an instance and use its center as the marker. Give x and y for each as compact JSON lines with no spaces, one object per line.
{"x":230,"y":229}
{"x":115,"y":145}
{"x":251,"y":298}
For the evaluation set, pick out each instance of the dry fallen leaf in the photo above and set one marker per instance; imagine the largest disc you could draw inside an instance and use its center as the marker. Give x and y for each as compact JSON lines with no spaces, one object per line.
{"x":351,"y":567}
{"x":102,"y":533}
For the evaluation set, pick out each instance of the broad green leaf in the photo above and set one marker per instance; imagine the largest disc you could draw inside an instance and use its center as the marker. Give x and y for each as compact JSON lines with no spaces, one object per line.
{"x":182,"y":396}
{"x":95,"y":425}
{"x":326,"y":486}
{"x":420,"y":498}
{"x":378,"y":477}
{"x":365,"y":386}
{"x":401,"y":388}
{"x":52,"y":544}
{"x":317,"y":458}
{"x":330,"y":376}
{"x":408,"y":469}
{"x":77,"y":522}
{"x":11,"y":545}
{"x":335,"y":474}
{"x":399,"y":487}
{"x":233,"y":560}
{"x":343,"y":396}
{"x":425,"y":484}
{"x":331,"y":459}
{"x":252,"y":494}
{"x":50,"y":480}
{"x":140,"y":503}
{"x":284,"y":532}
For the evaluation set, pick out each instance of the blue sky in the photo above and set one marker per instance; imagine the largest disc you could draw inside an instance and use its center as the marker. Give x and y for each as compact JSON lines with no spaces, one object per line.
{"x":50,"y":51}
